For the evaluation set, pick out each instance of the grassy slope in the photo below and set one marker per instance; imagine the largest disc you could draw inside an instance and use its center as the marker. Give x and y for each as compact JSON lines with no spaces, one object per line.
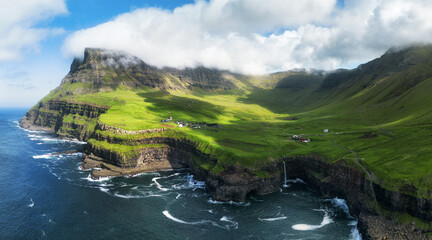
{"x":256,"y":122}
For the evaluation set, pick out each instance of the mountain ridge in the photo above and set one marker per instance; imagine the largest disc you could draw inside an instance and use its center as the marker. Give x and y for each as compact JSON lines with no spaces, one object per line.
{"x":235,"y":130}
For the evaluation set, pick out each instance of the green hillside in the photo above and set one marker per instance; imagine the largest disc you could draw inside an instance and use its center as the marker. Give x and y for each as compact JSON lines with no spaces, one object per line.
{"x":378,"y":115}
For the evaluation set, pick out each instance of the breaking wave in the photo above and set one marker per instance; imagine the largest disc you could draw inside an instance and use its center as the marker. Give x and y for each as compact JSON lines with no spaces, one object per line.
{"x":307,"y":227}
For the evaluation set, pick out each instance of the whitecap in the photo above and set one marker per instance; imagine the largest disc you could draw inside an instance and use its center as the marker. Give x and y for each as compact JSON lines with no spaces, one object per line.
{"x":355,"y":234}
{"x":340,"y":203}
{"x":234,"y":224}
{"x":306,"y":227}
{"x":31,"y":203}
{"x":158,"y":185}
{"x":272,"y":219}
{"x":45,"y":156}
{"x":178,"y":196}
{"x":101,"y":179}
{"x":105,"y":190}
{"x":168,"y":215}
{"x":242,"y":204}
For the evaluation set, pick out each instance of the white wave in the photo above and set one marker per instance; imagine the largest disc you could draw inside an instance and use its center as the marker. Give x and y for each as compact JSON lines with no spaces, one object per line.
{"x":178,"y":195}
{"x":195,"y":183}
{"x":127,"y":196}
{"x":105,"y":190}
{"x":233,"y":224}
{"x":355,"y":234}
{"x":158,"y":185}
{"x":306,"y":227}
{"x":101,"y":179}
{"x":31,"y":203}
{"x":46,"y":156}
{"x":168,"y":215}
{"x":272,"y":219}
{"x":51,"y":221}
{"x":242,"y":204}
{"x":43,"y":233}
{"x":340,"y":203}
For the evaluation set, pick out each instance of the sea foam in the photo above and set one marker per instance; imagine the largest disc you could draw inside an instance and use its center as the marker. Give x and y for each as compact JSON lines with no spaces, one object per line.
{"x":306,"y":227}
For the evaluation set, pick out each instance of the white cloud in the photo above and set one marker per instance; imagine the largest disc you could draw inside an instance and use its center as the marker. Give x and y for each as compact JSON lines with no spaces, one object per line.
{"x":254,"y":36}
{"x":17,"y":25}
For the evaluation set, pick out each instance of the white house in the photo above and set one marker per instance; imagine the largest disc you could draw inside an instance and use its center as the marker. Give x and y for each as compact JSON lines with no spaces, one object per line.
{"x":326,"y":130}
{"x":180,"y":125}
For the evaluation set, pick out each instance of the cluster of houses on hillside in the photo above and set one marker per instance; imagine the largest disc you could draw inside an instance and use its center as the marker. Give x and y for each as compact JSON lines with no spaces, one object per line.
{"x":300,"y":138}
{"x":181,"y":123}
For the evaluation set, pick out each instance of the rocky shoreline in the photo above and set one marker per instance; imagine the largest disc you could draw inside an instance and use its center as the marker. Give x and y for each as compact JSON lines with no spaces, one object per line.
{"x":235,"y":183}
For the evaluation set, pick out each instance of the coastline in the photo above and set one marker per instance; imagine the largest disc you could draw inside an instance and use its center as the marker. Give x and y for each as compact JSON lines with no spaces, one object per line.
{"x":236,"y":183}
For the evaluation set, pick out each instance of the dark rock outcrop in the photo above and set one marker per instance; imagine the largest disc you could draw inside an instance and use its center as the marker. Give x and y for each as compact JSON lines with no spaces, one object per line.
{"x":363,"y":196}
{"x":50,"y":117}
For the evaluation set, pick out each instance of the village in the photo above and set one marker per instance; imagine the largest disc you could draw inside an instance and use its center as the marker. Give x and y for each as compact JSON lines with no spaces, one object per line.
{"x":303,"y":138}
{"x":196,"y":125}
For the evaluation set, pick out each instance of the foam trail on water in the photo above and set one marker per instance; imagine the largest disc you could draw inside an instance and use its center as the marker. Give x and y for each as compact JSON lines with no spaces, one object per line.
{"x":272,"y":219}
{"x":158,"y":184}
{"x":31,"y":203}
{"x":242,"y":204}
{"x":46,"y":156}
{"x":306,"y":227}
{"x":233,"y":224}
{"x":101,"y":179}
{"x":168,"y":215}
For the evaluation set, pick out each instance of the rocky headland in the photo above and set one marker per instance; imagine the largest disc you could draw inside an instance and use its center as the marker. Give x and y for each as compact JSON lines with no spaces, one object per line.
{"x":112,"y":151}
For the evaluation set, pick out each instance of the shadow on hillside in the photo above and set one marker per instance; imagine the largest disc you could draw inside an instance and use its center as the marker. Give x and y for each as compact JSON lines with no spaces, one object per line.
{"x":283,"y":100}
{"x":164,"y":102}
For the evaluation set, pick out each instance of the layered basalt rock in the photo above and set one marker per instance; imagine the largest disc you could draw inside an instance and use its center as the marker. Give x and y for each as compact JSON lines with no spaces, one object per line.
{"x":233,"y":183}
{"x":363,"y":196}
{"x":50,"y":116}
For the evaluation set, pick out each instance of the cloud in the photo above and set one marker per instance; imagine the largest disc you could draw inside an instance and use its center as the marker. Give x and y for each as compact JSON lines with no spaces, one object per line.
{"x":18,"y":21}
{"x":254,"y":36}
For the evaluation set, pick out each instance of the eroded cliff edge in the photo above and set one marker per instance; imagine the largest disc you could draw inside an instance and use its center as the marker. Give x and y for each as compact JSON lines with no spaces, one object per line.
{"x":382,"y":214}
{"x":119,"y":152}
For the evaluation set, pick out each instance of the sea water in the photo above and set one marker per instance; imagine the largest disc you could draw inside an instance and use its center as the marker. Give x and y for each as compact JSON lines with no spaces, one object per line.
{"x":48,"y":196}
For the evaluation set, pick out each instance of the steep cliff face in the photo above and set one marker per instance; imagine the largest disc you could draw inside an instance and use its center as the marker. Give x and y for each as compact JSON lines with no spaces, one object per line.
{"x":149,"y":152}
{"x":103,"y":70}
{"x":71,"y":120}
{"x":366,"y":199}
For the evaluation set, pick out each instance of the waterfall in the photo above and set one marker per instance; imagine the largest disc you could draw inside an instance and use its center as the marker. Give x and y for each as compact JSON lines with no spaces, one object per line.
{"x":285,"y":177}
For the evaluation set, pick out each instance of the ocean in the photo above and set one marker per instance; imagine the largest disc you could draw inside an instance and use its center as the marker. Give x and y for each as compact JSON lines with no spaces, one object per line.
{"x":44,"y":194}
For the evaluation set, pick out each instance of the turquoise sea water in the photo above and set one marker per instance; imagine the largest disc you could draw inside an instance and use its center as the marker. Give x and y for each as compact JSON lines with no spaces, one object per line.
{"x":45,"y":196}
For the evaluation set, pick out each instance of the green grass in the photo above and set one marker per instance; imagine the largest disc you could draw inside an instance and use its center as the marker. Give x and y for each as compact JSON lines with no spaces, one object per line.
{"x":256,"y":128}
{"x":385,"y":97}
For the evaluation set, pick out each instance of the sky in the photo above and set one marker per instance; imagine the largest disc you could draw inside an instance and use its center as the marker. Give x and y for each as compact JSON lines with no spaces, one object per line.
{"x":39,"y":38}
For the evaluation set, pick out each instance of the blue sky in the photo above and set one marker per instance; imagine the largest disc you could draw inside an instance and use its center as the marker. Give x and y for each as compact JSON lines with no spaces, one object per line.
{"x":39,"y":38}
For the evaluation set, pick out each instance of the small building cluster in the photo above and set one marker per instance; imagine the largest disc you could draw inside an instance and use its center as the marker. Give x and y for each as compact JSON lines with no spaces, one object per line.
{"x":167,"y":120}
{"x":300,"y":138}
{"x":198,"y":125}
